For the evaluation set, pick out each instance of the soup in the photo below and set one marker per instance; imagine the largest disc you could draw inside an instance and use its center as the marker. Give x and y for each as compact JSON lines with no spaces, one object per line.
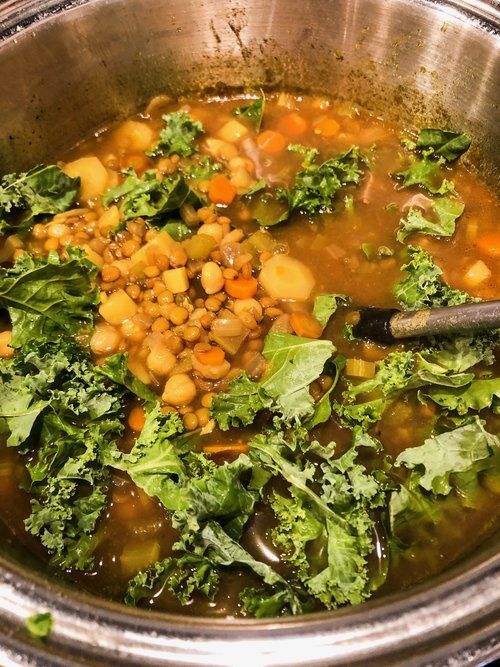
{"x":189,"y":421}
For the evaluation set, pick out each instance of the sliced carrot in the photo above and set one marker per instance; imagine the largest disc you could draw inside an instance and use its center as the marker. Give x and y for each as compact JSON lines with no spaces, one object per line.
{"x":305,"y":325}
{"x":292,"y":125}
{"x":137,"y":418}
{"x":241,"y":288}
{"x":230,"y":448}
{"x":221,"y":190}
{"x":210,"y":357}
{"x":327,"y":127}
{"x":271,"y":142}
{"x":489,"y":244}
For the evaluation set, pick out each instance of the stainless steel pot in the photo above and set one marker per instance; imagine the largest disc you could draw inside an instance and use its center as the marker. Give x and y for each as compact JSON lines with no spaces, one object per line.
{"x":68,"y":67}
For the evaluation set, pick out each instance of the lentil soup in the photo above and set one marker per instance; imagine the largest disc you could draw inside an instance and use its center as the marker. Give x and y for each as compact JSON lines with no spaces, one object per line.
{"x":189,"y":422}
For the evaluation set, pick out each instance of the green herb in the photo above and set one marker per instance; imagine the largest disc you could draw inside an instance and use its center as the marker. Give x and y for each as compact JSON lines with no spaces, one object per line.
{"x":115,"y":369}
{"x":177,"y":229}
{"x":449,"y":145}
{"x":333,"y":520}
{"x":252,"y":112}
{"x":325,"y":305}
{"x":446,"y":210}
{"x":32,"y":195}
{"x":422,"y":288}
{"x":427,"y":173}
{"x":203,"y":170}
{"x":178,"y":135}
{"x":256,"y":187}
{"x":294,"y":363}
{"x":40,"y":625}
{"x":478,"y":395}
{"x":150,"y":198}
{"x":48,"y":297}
{"x":209,"y":504}
{"x":57,"y":408}
{"x":372,"y":253}
{"x":182,"y":576}
{"x":450,"y":454}
{"x":317,"y":184}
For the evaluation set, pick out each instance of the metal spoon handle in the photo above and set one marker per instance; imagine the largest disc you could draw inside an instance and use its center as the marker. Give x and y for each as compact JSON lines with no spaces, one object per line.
{"x":388,"y":325}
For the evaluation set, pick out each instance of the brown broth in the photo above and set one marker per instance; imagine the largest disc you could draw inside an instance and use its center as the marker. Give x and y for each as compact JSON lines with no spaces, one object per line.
{"x":135,"y":529}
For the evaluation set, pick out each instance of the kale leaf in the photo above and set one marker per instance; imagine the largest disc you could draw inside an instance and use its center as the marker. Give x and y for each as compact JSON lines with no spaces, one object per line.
{"x":40,"y":625}
{"x":28,"y":197}
{"x":450,"y":454}
{"x":317,"y":184}
{"x":422,"y":288}
{"x":182,"y":576}
{"x":446,"y":210}
{"x":294,"y":363}
{"x":252,"y":112}
{"x":328,"y":508}
{"x":478,"y":395}
{"x":148,"y":197}
{"x":325,"y":305}
{"x":427,"y":173}
{"x":77,"y":415}
{"x":178,"y":135}
{"x":48,"y":297}
{"x":449,"y":145}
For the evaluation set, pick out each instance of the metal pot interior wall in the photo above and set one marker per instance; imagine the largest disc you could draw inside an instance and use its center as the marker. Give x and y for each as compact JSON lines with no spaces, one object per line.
{"x":68,"y":73}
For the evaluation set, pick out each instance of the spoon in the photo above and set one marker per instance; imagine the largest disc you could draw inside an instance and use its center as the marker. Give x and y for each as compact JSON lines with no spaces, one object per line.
{"x":387,"y":325}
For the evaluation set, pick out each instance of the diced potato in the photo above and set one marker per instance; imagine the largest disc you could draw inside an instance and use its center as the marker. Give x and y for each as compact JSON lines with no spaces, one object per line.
{"x":233,"y":131}
{"x":93,"y":176}
{"x":477,"y":274}
{"x":118,"y":308}
{"x":123,"y":265}
{"x":162,"y":244}
{"x":284,"y":277}
{"x":94,"y":257}
{"x":176,"y":280}
{"x":11,"y":244}
{"x":359,"y":368}
{"x":109,"y":220}
{"x":139,"y":556}
{"x":134,"y":136}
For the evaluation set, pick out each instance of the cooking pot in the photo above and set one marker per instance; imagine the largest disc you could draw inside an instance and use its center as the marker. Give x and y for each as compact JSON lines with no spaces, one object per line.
{"x":66,"y":68}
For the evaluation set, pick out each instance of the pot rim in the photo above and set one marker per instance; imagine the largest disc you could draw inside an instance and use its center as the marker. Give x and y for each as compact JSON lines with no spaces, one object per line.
{"x":463,"y":599}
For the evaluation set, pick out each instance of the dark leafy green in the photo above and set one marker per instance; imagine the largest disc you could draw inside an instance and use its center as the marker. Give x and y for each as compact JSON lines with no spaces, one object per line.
{"x":446,"y":210}
{"x":478,"y":395}
{"x":252,"y":112}
{"x":317,"y":184}
{"x":40,"y":625}
{"x":325,"y":305}
{"x":449,"y":145}
{"x":55,"y":405}
{"x":182,"y":576}
{"x":294,"y":363}
{"x":48,"y":297}
{"x":450,"y":454}
{"x":178,"y":136}
{"x":29,"y":196}
{"x":327,"y":512}
{"x":148,"y":197}
{"x":422,"y":288}
{"x":427,"y":173}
